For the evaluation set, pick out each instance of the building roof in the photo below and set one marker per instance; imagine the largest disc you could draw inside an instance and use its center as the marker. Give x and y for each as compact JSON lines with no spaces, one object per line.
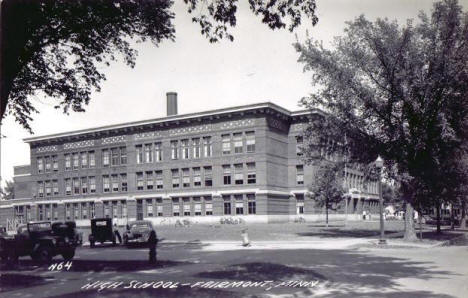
{"x":174,"y":118}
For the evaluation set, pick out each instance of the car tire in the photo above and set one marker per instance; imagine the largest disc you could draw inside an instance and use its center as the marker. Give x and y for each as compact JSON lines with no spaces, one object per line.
{"x":43,"y":254}
{"x":68,"y":255}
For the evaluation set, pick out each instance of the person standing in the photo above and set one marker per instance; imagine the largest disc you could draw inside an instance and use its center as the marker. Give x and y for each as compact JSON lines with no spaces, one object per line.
{"x":152,"y":242}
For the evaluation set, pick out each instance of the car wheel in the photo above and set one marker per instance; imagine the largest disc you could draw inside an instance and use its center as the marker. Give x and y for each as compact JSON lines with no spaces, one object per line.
{"x":44,"y":254}
{"x":68,"y":255}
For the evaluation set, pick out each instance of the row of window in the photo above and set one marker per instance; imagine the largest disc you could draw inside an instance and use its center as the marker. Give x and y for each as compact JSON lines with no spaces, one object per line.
{"x":237,"y":176}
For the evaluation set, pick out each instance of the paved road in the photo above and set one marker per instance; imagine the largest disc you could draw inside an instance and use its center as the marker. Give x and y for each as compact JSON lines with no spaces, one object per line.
{"x":199,"y":270}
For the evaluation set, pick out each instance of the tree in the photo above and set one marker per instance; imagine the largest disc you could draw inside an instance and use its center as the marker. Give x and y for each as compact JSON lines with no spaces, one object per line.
{"x":8,"y":192}
{"x":398,"y":91}
{"x":56,"y":47}
{"x":327,"y":189}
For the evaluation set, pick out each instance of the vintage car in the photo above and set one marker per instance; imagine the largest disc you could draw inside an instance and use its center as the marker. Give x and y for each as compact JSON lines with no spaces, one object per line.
{"x":42,"y":241}
{"x":102,"y":231}
{"x":138,"y":232}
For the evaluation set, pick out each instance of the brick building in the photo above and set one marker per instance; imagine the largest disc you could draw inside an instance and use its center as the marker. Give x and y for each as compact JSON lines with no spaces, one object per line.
{"x":241,"y":162}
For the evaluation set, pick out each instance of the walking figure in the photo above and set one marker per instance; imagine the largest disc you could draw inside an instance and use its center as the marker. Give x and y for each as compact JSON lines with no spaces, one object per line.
{"x":152,"y":242}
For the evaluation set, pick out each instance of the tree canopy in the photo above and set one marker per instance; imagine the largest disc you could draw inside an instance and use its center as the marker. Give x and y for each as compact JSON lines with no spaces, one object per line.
{"x":398,"y":91}
{"x":55,"y":47}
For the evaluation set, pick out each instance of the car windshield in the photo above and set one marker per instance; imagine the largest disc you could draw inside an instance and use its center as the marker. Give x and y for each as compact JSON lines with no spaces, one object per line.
{"x":139,"y":225}
{"x":37,"y":227}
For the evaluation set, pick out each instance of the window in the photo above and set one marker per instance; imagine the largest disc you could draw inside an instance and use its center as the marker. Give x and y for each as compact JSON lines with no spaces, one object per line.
{"x":92,"y":210}
{"x":92,"y":184}
{"x":149,"y":208}
{"x":186,"y":208}
{"x":208,"y":208}
{"x":48,"y":164}
{"x":105,"y":157}
{"x":252,"y":204}
{"x":159,"y":180}
{"x":139,"y":181}
{"x":207,"y":147}
{"x":123,"y":155}
{"x":114,"y":209}
{"x":115,"y":183}
{"x":68,"y":186}
{"x":55,"y":163}
{"x":40,"y":189}
{"x":67,"y":162}
{"x":160,"y":210}
{"x":106,"y":209}
{"x":227,"y":205}
{"x":84,"y":211}
{"x":76,"y":210}
{"x":196,"y":177}
{"x":115,"y":159}
{"x":238,"y":174}
{"x":250,"y":140}
{"x":158,"y":152}
{"x":238,"y":142}
{"x":186,"y":177}
{"x":123,"y":182}
{"x":149,"y":180}
{"x":239,"y":204}
{"x":148,"y":153}
{"x":300,"y":175}
{"x":48,"y":188}
{"x":185,"y":149}
{"x":40,"y":165}
{"x":299,"y":204}
{"x":299,"y":143}
{"x":197,"y":206}
{"x":175,"y":178}
{"x":196,"y":148}
{"x":139,"y":154}
{"x":251,"y":173}
{"x":55,"y":187}
{"x":106,"y":183}
{"x":226,"y":139}
{"x":55,"y":211}
{"x":84,"y":185}
{"x":76,"y":186}
{"x":40,"y":212}
{"x":227,"y":174}
{"x":124,"y":208}
{"x":208,"y":176}
{"x":67,"y":211}
{"x":174,"y":150}
{"x":76,"y":161}
{"x":92,"y":159}
{"x":84,"y":159}
{"x":175,"y":207}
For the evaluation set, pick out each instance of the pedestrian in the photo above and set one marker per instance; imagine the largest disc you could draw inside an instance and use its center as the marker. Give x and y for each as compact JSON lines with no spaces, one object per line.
{"x":117,"y":234}
{"x":152,"y":242}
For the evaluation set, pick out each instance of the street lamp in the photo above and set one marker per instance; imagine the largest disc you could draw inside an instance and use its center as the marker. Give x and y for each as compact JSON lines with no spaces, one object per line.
{"x":379,"y":165}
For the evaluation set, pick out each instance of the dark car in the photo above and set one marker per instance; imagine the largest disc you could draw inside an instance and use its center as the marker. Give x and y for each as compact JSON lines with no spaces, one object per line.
{"x":102,"y":231}
{"x":138,"y":232}
{"x":42,"y":241}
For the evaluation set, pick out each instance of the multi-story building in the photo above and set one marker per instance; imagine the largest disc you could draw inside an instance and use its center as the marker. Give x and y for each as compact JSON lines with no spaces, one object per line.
{"x":236,"y":162}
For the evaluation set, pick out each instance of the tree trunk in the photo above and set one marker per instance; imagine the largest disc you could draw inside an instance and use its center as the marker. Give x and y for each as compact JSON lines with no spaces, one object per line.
{"x":410,"y":232}
{"x":438,"y":217}
{"x":463,"y":215}
{"x":326,"y":212}
{"x":420,"y":223}
{"x":452,"y":218}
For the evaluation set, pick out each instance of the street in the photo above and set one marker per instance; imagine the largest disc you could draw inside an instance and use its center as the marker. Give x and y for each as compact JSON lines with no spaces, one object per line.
{"x":329,"y":268}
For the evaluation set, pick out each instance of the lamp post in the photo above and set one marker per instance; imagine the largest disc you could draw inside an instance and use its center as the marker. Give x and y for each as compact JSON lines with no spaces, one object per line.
{"x":379,"y":166}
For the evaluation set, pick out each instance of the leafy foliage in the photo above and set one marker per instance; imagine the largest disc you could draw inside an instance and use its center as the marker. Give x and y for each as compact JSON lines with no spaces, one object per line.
{"x":398,"y":91}
{"x":56,"y":47}
{"x":8,"y":192}
{"x":328,"y":187}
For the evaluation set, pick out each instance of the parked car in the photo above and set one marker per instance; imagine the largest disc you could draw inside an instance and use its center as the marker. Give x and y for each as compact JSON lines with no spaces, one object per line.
{"x":138,"y":232}
{"x":42,"y":241}
{"x":102,"y":231}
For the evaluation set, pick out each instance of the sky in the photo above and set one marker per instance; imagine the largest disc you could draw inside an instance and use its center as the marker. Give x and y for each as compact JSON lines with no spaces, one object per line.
{"x":260,"y":65}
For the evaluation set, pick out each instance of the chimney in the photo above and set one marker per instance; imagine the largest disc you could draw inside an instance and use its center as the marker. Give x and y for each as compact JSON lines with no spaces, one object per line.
{"x":171,"y":103}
